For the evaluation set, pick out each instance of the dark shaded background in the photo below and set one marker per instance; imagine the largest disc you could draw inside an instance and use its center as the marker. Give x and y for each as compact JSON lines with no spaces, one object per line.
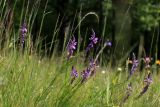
{"x":124,"y":22}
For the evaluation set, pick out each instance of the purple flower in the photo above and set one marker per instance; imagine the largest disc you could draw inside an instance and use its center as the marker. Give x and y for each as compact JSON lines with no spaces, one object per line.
{"x":74,"y":74}
{"x":93,"y":40}
{"x":108,"y":43}
{"x":147,"y":61}
{"x":135,"y":64}
{"x":23,"y":30}
{"x":85,"y":74}
{"x":71,"y":47}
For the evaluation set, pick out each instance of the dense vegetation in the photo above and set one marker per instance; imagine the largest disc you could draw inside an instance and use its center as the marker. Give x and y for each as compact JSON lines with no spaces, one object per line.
{"x":79,"y":53}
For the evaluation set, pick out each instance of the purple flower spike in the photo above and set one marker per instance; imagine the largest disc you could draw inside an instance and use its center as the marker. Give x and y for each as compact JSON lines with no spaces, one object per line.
{"x":135,"y":64}
{"x":71,"y":47}
{"x":23,"y":30}
{"x":93,"y":40}
{"x":74,"y":74}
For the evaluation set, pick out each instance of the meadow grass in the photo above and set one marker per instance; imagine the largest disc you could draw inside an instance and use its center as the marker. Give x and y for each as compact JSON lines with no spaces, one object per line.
{"x":29,"y":80}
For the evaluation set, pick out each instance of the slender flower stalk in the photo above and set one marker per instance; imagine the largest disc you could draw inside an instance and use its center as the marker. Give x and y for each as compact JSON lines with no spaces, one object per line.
{"x":127,"y":65}
{"x":85,"y":75}
{"x":92,"y":66}
{"x":23,"y":30}
{"x":71,"y":47}
{"x":128,"y":93}
{"x":148,"y":80}
{"x":74,"y":74}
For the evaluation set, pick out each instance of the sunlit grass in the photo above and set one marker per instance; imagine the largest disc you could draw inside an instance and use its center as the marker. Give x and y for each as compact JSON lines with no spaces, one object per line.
{"x":27,"y":80}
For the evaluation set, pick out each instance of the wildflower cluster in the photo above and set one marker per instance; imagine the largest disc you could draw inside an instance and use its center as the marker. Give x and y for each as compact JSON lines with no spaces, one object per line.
{"x":91,"y":69}
{"x":85,"y":74}
{"x":147,"y":81}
